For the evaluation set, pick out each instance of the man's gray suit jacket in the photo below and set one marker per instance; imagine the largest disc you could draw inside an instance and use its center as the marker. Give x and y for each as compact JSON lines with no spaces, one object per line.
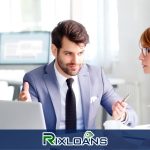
{"x":95,"y":90}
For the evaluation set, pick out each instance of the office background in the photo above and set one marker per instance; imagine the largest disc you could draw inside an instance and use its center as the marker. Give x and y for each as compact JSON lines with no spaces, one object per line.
{"x":114,"y":28}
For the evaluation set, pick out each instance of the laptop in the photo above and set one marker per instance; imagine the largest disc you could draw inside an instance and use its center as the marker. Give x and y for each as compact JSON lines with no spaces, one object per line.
{"x":21,"y":115}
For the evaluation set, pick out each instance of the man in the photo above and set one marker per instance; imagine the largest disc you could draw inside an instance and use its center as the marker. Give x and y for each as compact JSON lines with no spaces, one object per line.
{"x":47,"y":84}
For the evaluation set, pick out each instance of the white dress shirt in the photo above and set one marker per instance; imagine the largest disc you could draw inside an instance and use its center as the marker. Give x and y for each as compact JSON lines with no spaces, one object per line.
{"x":63,"y":90}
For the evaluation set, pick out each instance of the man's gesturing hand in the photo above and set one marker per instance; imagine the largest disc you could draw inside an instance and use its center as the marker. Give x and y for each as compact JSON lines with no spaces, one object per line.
{"x":119,"y":110}
{"x":24,"y":94}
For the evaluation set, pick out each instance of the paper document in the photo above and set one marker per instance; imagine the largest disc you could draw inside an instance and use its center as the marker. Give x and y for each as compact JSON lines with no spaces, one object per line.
{"x":118,"y":125}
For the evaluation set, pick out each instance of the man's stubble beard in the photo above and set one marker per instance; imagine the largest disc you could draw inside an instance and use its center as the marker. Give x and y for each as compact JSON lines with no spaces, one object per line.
{"x":66,"y":70}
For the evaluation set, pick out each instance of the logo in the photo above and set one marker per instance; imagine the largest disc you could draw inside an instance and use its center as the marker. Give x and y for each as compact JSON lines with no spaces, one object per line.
{"x":88,"y":139}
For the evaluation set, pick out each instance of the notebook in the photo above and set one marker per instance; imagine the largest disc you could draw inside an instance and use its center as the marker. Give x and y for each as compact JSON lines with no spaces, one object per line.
{"x":21,"y":115}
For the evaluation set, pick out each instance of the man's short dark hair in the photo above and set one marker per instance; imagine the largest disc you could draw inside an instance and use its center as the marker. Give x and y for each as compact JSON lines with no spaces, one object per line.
{"x":71,"y":29}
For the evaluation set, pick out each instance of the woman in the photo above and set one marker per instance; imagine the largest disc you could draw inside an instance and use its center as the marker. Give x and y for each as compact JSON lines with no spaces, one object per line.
{"x":145,"y":50}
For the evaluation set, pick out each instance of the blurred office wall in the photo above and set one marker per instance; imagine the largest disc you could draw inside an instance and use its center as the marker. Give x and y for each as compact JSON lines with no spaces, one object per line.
{"x":133,"y":20}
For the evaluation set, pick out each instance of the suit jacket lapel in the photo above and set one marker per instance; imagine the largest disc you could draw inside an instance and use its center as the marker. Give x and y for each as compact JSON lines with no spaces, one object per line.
{"x":84,"y":82}
{"x":53,"y":89}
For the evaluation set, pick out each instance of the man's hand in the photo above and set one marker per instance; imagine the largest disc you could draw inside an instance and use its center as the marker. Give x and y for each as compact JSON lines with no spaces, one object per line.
{"x":119,"y":110}
{"x":25,"y":95}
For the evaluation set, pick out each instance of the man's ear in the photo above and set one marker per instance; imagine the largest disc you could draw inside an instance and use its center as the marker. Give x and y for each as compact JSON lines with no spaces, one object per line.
{"x":54,"y":50}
